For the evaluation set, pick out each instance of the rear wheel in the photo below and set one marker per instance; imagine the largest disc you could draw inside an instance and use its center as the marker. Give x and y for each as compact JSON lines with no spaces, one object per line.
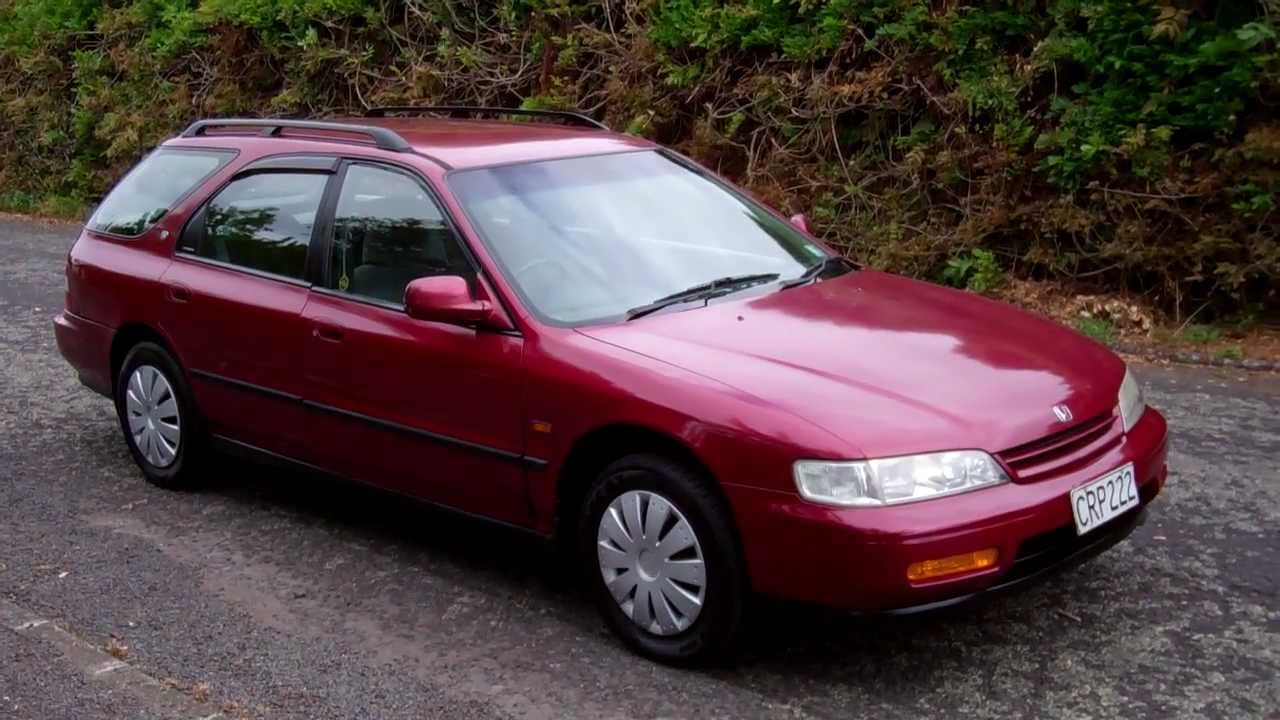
{"x":660,"y":555}
{"x":157,"y":416}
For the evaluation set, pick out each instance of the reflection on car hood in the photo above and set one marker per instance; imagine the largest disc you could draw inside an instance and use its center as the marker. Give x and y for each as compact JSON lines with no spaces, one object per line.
{"x":892,"y":365}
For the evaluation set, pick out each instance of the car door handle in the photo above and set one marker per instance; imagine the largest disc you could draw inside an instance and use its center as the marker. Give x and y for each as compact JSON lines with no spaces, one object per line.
{"x":179,"y":293}
{"x":329,"y":333}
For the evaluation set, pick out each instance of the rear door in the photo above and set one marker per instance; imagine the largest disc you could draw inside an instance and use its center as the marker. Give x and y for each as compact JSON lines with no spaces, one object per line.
{"x":234,"y":297}
{"x":423,"y":408}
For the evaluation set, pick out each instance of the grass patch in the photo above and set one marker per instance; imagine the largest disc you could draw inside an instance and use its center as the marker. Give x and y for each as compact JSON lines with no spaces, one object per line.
{"x":1097,"y":328}
{"x":1229,"y":352}
{"x":61,"y":207}
{"x":1202,"y":334}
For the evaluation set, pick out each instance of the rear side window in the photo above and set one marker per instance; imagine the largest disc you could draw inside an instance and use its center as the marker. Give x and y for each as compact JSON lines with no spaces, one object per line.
{"x":263,"y":222}
{"x":151,"y":188}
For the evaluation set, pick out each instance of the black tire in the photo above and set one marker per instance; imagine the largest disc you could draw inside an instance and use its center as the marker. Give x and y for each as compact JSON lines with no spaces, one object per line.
{"x":712,"y":635}
{"x":181,"y":473}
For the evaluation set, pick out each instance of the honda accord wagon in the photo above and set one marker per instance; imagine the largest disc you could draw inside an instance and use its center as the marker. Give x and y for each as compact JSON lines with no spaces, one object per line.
{"x":588,"y":336}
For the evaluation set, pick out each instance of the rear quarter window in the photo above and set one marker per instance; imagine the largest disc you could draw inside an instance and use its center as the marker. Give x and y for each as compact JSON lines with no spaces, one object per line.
{"x":152,"y":188}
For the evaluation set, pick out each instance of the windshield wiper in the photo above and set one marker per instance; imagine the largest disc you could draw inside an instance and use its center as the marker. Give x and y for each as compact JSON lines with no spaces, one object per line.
{"x":814,"y":270}
{"x":702,"y":291}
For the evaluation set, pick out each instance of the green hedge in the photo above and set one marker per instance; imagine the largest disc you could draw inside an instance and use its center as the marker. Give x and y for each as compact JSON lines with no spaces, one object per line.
{"x":1126,"y":143}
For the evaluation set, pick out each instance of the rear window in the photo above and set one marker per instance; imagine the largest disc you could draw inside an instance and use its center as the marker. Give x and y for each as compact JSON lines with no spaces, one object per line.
{"x":151,"y":188}
{"x":264,"y":222}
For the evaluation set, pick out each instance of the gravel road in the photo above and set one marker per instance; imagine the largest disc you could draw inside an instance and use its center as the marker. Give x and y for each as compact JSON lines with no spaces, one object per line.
{"x":281,"y":595}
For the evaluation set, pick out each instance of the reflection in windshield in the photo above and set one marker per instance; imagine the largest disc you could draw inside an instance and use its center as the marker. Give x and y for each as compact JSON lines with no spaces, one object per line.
{"x":585,"y":239}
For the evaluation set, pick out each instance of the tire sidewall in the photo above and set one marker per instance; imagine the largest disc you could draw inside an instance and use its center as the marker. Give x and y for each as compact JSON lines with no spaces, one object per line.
{"x":175,"y":475}
{"x":712,"y":635}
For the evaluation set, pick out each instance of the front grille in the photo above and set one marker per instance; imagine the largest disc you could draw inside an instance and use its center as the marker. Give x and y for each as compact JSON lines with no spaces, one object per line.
{"x":1063,"y":451}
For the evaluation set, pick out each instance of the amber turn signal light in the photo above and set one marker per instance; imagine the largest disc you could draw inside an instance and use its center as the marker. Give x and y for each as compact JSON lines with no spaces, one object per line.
{"x":968,"y":562}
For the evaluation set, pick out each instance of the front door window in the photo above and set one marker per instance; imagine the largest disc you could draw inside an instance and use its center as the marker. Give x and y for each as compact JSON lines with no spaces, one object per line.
{"x":387,"y":231}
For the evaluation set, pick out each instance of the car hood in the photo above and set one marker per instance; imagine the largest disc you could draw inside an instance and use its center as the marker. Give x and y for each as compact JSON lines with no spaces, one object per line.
{"x":890,"y":365}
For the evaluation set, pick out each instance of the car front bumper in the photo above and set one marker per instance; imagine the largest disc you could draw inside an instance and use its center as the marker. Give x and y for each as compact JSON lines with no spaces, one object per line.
{"x":856,"y":558}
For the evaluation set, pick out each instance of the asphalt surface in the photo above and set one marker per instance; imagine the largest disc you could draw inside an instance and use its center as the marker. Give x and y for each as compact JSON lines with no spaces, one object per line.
{"x":282,"y":595}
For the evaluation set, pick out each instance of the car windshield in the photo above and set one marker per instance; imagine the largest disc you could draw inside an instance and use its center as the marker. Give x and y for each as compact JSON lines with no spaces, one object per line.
{"x":587,"y":239}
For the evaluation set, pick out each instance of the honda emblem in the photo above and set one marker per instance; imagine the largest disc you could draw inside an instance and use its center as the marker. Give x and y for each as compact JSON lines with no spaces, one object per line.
{"x":1062,"y":412}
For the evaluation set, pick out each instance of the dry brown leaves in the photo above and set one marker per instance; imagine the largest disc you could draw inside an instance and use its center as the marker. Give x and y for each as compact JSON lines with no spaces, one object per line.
{"x":117,"y":648}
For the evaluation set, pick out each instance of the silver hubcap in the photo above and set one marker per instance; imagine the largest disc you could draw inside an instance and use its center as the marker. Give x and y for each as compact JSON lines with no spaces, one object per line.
{"x":651,"y":562}
{"x":152,"y":412}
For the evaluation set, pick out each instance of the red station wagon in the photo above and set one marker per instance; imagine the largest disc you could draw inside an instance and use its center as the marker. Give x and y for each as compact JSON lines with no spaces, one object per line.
{"x":582,"y":334}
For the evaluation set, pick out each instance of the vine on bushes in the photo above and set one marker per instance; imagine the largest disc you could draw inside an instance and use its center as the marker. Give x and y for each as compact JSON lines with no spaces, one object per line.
{"x":1129,"y":143}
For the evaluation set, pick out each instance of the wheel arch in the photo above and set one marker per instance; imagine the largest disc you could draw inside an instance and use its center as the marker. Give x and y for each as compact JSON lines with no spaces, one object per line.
{"x":595,"y":449}
{"x":129,"y":335}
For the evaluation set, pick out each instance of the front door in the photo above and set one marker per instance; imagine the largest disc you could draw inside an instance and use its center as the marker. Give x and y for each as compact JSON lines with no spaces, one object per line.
{"x":427,"y":409}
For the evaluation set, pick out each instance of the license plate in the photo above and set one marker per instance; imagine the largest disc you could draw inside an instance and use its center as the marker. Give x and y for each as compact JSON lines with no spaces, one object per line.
{"x":1102,"y":500}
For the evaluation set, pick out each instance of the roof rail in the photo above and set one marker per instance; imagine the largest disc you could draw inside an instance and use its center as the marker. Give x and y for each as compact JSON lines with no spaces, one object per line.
{"x":382,"y":137}
{"x":455,"y":110}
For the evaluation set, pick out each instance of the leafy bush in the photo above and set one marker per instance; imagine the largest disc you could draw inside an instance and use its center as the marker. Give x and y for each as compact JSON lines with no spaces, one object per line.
{"x":1124,"y":143}
{"x":978,"y":270}
{"x":1181,"y":75}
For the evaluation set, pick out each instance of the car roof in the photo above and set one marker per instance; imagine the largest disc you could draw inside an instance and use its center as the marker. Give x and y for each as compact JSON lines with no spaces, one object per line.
{"x":473,"y":143}
{"x":454,"y":143}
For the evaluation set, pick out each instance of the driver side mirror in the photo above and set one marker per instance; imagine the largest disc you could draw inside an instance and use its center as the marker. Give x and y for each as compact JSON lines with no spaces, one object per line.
{"x":451,"y":299}
{"x":800,"y":220}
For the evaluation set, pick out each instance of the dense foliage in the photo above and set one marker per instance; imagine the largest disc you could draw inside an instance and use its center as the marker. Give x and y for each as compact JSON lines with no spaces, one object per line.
{"x":1130,"y":143}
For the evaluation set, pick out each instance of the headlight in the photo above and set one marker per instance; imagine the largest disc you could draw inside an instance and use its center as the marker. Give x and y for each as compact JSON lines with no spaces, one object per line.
{"x":1131,"y":401}
{"x":889,"y":481}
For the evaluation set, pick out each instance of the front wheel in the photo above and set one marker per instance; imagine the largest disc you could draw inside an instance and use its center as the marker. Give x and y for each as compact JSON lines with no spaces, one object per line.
{"x":658,"y":547}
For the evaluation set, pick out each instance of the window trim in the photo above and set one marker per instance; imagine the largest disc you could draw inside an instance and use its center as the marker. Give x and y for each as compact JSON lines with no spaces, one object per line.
{"x":232,"y":153}
{"x":297,"y":162}
{"x":362,"y":299}
{"x":265,"y":275}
